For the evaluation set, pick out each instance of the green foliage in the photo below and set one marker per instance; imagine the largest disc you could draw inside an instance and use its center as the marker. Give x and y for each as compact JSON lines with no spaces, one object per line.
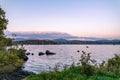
{"x":6,"y":41}
{"x":3,"y":22}
{"x":73,"y":73}
{"x":64,"y":75}
{"x":101,"y":69}
{"x":104,"y":77}
{"x":114,"y":64}
{"x":3,"y":26}
{"x":86,"y":64}
{"x":10,"y":60}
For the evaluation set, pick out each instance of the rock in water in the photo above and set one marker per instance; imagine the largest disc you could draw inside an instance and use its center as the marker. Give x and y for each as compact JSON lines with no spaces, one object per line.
{"x":78,"y":51}
{"x":25,"y":58}
{"x":28,"y":53}
{"x":41,"y":53}
{"x":87,"y":47}
{"x":32,"y":54}
{"x":49,"y":53}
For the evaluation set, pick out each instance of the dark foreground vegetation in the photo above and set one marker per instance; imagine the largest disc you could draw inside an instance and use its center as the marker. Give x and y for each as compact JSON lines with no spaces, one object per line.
{"x":17,"y":74}
{"x":11,"y":60}
{"x":87,"y":69}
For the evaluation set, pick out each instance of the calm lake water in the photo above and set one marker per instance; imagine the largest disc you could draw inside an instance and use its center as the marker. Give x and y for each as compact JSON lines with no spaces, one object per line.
{"x":65,"y":54}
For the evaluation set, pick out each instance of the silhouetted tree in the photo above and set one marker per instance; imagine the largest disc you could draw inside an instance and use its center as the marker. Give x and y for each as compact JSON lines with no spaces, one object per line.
{"x":3,"y":22}
{"x":3,"y":26}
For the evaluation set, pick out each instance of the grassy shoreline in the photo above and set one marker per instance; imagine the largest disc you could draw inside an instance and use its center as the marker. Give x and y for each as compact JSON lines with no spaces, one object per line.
{"x":109,"y":70}
{"x":73,"y":73}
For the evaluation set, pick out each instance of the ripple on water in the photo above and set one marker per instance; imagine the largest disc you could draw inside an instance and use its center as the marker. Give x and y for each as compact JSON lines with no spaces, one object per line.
{"x":65,"y":54}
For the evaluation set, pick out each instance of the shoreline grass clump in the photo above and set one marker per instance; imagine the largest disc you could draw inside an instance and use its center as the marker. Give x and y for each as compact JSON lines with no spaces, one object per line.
{"x":87,"y":64}
{"x":114,"y":64}
{"x":87,"y":69}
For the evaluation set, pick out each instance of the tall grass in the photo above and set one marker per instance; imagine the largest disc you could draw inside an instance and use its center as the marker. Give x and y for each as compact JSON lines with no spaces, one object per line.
{"x":86,"y":70}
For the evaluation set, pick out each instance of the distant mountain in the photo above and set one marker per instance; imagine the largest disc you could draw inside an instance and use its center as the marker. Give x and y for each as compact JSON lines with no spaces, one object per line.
{"x":59,"y":41}
{"x":40,"y":36}
{"x":56,"y":36}
{"x":19,"y":39}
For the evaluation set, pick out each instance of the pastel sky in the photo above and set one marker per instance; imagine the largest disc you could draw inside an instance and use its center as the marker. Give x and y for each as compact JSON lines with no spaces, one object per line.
{"x":88,"y":18}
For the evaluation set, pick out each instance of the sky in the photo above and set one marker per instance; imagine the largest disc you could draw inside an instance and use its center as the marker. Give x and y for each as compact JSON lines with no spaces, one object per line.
{"x":85,"y":18}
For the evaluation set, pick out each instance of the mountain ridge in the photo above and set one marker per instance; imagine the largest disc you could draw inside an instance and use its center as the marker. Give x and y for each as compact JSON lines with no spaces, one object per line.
{"x":19,"y":36}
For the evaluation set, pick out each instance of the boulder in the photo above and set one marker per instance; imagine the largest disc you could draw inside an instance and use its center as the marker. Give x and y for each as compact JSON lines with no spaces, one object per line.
{"x":25,"y":58}
{"x":32,"y":54}
{"x":28,"y":53}
{"x":49,"y":53}
{"x":78,"y":51}
{"x":41,"y":53}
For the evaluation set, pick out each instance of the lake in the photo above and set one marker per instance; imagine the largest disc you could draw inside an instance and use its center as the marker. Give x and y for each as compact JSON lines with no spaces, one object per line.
{"x":65,"y":55}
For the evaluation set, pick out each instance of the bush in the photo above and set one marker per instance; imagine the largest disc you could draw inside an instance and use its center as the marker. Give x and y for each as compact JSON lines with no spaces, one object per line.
{"x":71,"y":74}
{"x":10,"y":60}
{"x":87,"y":64}
{"x":113,"y":64}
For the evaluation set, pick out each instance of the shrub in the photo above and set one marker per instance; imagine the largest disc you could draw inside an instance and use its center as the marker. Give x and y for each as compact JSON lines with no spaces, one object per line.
{"x":101,"y":68}
{"x":10,"y":60}
{"x":87,"y":64}
{"x":113,"y":64}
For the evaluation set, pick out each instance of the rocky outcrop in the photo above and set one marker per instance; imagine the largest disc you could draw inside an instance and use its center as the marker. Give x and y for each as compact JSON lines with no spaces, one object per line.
{"x":18,"y":74}
{"x":24,"y":57}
